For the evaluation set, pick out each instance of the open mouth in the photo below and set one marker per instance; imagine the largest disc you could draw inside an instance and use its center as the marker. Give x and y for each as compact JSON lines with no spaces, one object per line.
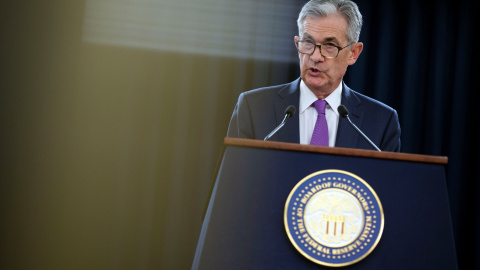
{"x":314,"y":71}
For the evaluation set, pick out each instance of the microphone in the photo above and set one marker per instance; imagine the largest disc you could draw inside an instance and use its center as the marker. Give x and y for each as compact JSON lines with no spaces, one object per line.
{"x":289,"y":112}
{"x":342,"y":110}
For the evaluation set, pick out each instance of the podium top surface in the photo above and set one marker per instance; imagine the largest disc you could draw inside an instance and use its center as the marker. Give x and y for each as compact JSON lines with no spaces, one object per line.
{"x":335,"y":150}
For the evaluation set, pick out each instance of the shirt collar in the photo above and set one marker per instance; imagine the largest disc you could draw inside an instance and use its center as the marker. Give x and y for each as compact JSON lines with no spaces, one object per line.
{"x":307,"y":97}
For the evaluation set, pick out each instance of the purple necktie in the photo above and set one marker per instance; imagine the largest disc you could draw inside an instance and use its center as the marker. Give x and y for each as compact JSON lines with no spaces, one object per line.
{"x":320,"y":133}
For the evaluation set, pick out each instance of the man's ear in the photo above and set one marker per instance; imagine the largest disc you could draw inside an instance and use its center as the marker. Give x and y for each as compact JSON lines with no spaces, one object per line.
{"x":355,"y":52}
{"x":297,"y":38}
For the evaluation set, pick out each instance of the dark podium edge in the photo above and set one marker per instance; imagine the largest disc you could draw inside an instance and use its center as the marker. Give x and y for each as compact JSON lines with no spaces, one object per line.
{"x":335,"y":150}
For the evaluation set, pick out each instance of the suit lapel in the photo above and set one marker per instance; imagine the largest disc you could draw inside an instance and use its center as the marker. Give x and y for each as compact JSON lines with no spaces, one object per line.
{"x":347,"y":135}
{"x":289,"y":95}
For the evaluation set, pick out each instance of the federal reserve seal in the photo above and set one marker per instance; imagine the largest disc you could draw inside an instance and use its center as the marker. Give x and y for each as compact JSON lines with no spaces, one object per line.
{"x":334,"y":218}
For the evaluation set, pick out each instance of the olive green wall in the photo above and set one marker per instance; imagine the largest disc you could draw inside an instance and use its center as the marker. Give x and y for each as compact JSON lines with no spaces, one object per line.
{"x":108,"y":153}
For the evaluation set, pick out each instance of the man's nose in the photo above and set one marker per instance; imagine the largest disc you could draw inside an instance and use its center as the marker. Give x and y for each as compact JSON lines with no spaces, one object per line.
{"x":317,"y":55}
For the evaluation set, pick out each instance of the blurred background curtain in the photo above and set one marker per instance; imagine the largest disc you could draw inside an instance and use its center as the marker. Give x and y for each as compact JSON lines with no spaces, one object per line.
{"x":110,"y":136}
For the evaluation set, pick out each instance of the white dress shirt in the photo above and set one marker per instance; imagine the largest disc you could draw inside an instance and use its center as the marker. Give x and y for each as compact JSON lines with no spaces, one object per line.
{"x":308,"y":114}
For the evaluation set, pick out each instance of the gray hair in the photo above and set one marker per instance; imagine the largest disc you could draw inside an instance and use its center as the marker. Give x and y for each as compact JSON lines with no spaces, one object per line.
{"x":346,"y":8}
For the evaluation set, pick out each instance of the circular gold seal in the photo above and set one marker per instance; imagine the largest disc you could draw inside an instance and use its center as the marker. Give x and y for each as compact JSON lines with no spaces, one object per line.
{"x":334,"y":218}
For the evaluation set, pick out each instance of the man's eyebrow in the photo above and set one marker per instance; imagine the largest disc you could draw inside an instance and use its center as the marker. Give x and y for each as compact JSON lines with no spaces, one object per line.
{"x":327,"y":39}
{"x":307,"y":35}
{"x":330,"y":39}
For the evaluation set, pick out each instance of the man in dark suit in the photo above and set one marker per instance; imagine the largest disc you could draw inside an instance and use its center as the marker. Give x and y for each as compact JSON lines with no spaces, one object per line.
{"x":327,"y":45}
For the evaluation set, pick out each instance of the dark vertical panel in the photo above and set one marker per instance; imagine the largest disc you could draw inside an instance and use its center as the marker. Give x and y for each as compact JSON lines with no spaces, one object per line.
{"x":463,"y":144}
{"x":411,"y":105}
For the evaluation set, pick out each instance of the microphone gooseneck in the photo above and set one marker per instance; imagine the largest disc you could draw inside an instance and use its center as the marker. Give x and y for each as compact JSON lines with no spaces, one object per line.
{"x":342,"y":110}
{"x":289,"y":112}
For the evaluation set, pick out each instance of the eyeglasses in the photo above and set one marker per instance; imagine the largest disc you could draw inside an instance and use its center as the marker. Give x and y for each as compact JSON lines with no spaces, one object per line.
{"x":326,"y":50}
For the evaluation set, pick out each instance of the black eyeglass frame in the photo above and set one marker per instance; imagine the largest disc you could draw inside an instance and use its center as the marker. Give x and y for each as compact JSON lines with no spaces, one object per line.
{"x":320,"y":48}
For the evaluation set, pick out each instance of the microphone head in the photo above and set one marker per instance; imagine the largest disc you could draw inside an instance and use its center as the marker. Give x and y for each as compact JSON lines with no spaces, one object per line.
{"x":290,"y":111}
{"x":342,"y":110}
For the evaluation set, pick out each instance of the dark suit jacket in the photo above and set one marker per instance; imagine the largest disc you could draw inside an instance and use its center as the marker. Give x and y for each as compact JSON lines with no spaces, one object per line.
{"x":259,"y":111}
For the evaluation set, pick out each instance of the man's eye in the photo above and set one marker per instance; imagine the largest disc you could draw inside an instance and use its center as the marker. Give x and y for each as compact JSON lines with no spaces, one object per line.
{"x":309,"y":41}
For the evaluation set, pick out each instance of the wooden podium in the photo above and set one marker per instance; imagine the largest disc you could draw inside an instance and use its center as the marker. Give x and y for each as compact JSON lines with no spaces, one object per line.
{"x":244,"y":229}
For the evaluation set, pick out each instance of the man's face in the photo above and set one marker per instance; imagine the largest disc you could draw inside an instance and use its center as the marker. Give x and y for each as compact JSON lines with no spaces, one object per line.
{"x":322,"y":75}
